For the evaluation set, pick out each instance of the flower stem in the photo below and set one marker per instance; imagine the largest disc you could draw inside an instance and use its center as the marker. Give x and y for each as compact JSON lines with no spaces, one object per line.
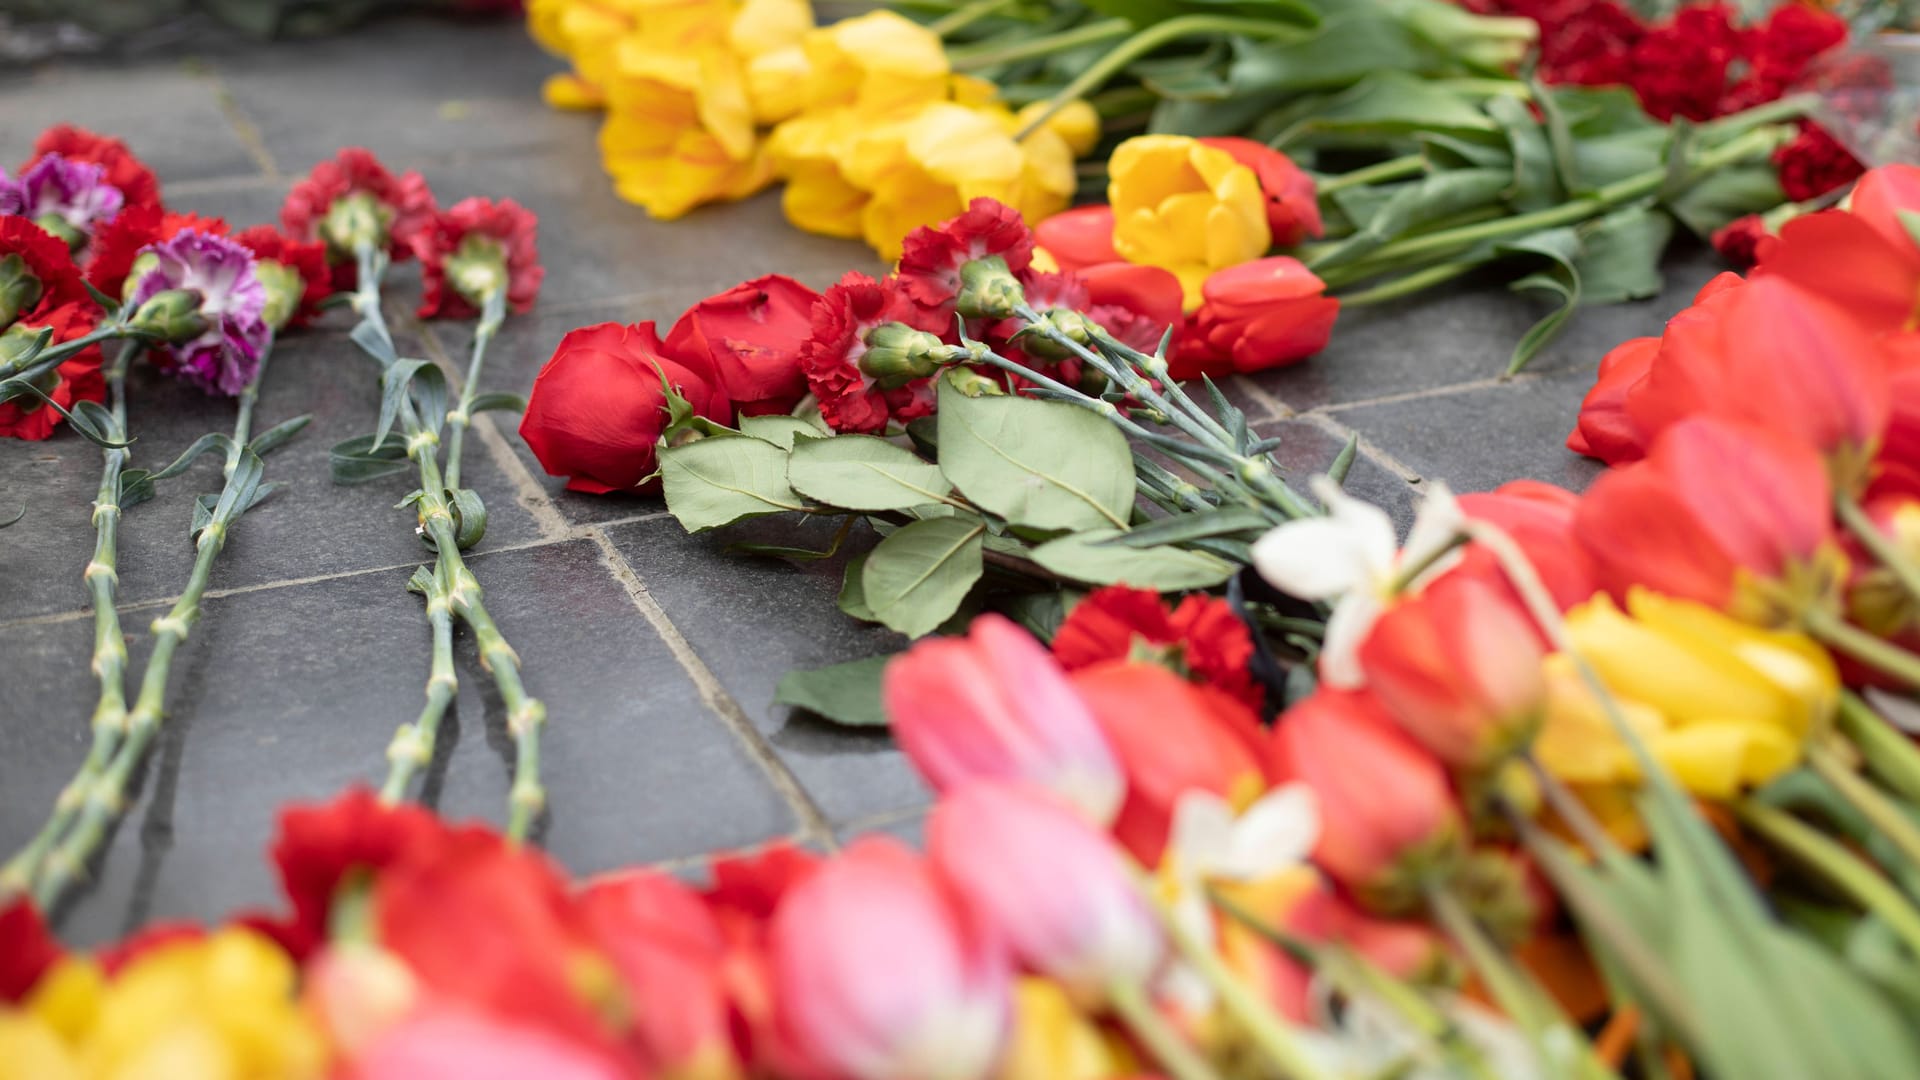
{"x":1148,"y":39}
{"x":54,"y":355}
{"x":243,"y":420}
{"x":1889,"y":752}
{"x":461,"y":417}
{"x":963,"y":17}
{"x":1392,"y":169}
{"x":413,"y":745}
{"x":1836,"y":865}
{"x":109,"y":642}
{"x":1888,"y":817}
{"x":1163,"y":1043}
{"x":1878,"y":544}
{"x":1882,"y":656}
{"x":1418,"y":281}
{"x":990,"y":54}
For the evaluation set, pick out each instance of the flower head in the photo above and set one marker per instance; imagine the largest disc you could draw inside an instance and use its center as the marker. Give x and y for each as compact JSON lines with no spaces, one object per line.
{"x":1293,"y":210}
{"x":37,"y":273}
{"x":835,"y":356}
{"x":1256,"y":315}
{"x":320,"y":848}
{"x":77,"y":378}
{"x":352,"y":199}
{"x":124,"y":172}
{"x":27,"y":949}
{"x":1539,"y":518}
{"x":293,"y":273}
{"x":1201,"y":638}
{"x":119,"y":243}
{"x":72,"y":198}
{"x":473,"y":250}
{"x":1187,"y":207}
{"x":751,"y":336}
{"x":931,"y":256}
{"x":224,"y":355}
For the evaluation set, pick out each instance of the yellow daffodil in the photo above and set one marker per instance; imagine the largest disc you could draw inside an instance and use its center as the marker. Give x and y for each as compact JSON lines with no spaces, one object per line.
{"x":1053,"y":1041}
{"x":1184,"y":206}
{"x":1721,"y":704}
{"x":218,"y":1008}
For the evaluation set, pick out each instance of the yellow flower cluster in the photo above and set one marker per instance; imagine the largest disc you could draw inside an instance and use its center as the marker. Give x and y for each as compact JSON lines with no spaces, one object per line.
{"x":218,"y":1008}
{"x":864,"y":120}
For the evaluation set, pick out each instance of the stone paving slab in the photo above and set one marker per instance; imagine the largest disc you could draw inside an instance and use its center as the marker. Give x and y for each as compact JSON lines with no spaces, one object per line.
{"x":656,"y":652}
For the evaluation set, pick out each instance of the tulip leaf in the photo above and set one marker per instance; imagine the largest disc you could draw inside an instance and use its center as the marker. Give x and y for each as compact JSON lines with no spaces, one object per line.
{"x":1394,"y":103}
{"x":1421,"y":202}
{"x":1725,"y":194}
{"x":861,"y":472}
{"x":1039,"y":464}
{"x":723,"y":479}
{"x":916,"y":578}
{"x":1535,"y":186}
{"x":1620,"y":256}
{"x":1349,"y":46}
{"x":778,"y":430}
{"x":847,"y":694}
{"x":1092,"y":557}
{"x":1561,"y":247}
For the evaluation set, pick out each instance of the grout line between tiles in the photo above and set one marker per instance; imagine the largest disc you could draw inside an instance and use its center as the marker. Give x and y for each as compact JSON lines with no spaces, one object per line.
{"x":813,"y":822}
{"x":882,"y":820}
{"x":1380,"y":457}
{"x":242,"y":125}
{"x":1433,"y":392}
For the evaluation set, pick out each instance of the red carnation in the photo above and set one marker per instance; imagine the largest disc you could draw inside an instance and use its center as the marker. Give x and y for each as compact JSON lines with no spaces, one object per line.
{"x":849,"y":398}
{"x":137,"y":184}
{"x":77,"y":378}
{"x":1680,"y":68}
{"x":1201,"y":638}
{"x":405,"y":202}
{"x":269,"y":244}
{"x":321,"y":846}
{"x":1780,"y":49}
{"x":1743,"y":240}
{"x":505,"y":232}
{"x":48,"y":260}
{"x":120,"y":241}
{"x":751,"y":337}
{"x":931,"y":258}
{"x":27,"y":949}
{"x":1814,"y":164}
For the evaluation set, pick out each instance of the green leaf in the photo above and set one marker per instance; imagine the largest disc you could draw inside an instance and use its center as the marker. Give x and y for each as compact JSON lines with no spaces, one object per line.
{"x":276,"y":436}
{"x":723,"y":479}
{"x":1534,"y":185}
{"x":1709,"y":204}
{"x":394,"y":383}
{"x":1198,"y":525}
{"x":499,"y":401}
{"x":778,"y":430}
{"x":1089,"y":557}
{"x":916,"y":578}
{"x":375,"y":343}
{"x":1041,"y":464}
{"x":1343,"y":461}
{"x":853,"y":594}
{"x":861,"y":472}
{"x":356,"y":460}
{"x":846,"y":694}
{"x":469,"y":517}
{"x":1562,"y":278}
{"x":1350,"y":45}
{"x":1418,"y":203}
{"x":1396,"y":103}
{"x":107,"y":303}
{"x":430,"y":391}
{"x":213,"y":440}
{"x":1620,"y":256}
{"x":136,"y":487}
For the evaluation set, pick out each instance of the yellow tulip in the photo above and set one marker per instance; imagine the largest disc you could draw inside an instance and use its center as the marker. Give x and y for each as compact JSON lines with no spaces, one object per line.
{"x":1075,"y":122}
{"x":218,"y":1008}
{"x":877,"y":63}
{"x":1186,"y":207}
{"x":1721,"y":704}
{"x":1053,"y":1041}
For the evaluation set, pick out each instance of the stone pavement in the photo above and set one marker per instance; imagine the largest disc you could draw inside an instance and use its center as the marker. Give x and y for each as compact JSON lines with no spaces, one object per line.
{"x":657,"y":653}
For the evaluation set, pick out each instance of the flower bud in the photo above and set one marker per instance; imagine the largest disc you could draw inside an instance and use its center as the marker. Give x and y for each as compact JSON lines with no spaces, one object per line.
{"x":355,"y":219}
{"x":57,"y":226}
{"x":988,"y":290}
{"x":1038,"y":344}
{"x":897,"y":354}
{"x":16,"y":342}
{"x":973,"y":384}
{"x":1388,"y":817}
{"x":1006,"y":848}
{"x":19,"y":289}
{"x":284,"y":287}
{"x":172,"y":315}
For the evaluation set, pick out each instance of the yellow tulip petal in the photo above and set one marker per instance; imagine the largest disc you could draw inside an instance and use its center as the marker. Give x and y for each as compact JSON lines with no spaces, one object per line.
{"x":1076,"y":122}
{"x":1051,"y":1039}
{"x":30,"y":1050}
{"x":571,"y":92}
{"x":762,"y":26}
{"x":819,"y":200}
{"x":777,"y":84}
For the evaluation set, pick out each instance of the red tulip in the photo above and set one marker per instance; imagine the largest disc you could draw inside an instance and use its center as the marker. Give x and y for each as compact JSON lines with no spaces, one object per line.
{"x":598,"y":407}
{"x":750,"y":337}
{"x":27,"y":949}
{"x":1257,"y":315}
{"x":1539,"y":518}
{"x":670,"y":954}
{"x":1293,"y":210}
{"x":1604,"y":430}
{"x":1388,"y":816}
{"x":1051,"y":886}
{"x":880,"y":974}
{"x":1171,"y":737}
{"x":1151,"y":292}
{"x":1458,"y":667}
{"x":1078,"y":238}
{"x":995,"y":705}
{"x":1715,"y":509}
{"x":1863,"y":258}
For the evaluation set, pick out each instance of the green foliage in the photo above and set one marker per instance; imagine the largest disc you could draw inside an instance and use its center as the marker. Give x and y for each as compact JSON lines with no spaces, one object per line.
{"x":1039,"y":464}
{"x":916,"y":578}
{"x":723,"y":479}
{"x":847,"y":694}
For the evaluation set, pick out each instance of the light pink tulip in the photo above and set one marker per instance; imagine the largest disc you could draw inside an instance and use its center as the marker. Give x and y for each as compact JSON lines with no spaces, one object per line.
{"x":454,"y":1042}
{"x":995,"y":705}
{"x":880,"y":974}
{"x":1048,"y":883}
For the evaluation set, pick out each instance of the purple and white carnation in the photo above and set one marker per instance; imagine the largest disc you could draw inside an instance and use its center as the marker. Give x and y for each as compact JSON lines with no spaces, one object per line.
{"x":13,"y":198}
{"x":224,"y":358}
{"x":75,"y":192}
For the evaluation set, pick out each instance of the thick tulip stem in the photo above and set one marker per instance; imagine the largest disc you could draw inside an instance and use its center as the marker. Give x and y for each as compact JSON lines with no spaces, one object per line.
{"x":1888,"y":751}
{"x":1876,"y":653}
{"x":1878,"y":544}
{"x":1836,"y":865}
{"x":1163,"y":1043}
{"x":1888,"y":817}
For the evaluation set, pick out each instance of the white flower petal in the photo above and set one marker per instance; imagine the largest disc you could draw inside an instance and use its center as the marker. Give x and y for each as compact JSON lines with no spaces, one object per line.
{"x":1437,"y":523}
{"x":1276,"y":833}
{"x":1314,"y":559}
{"x":1347,"y":628}
{"x":1201,"y":836}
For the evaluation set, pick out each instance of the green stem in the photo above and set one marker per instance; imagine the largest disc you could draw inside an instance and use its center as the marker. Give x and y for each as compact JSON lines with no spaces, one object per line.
{"x":989,"y":55}
{"x":1878,"y":544}
{"x":1165,"y":1045}
{"x":961,"y":18}
{"x":1888,"y":751}
{"x":1882,"y":656}
{"x":1418,"y":281}
{"x":109,"y":641}
{"x":1392,"y":169}
{"x":413,"y":745}
{"x":1888,"y":817}
{"x":243,"y":420}
{"x":491,"y":313}
{"x":54,"y":355}
{"x":1836,"y":865}
{"x":1148,"y":39}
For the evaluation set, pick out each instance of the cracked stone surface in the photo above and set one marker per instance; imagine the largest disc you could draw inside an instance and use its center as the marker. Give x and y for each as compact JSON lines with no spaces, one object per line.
{"x":656,"y":652}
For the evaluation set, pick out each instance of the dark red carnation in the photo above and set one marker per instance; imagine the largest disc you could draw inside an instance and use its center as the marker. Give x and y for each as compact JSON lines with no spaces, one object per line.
{"x":27,"y":949}
{"x":47,"y":258}
{"x":1779,"y":51}
{"x":751,"y":337}
{"x":77,"y":379}
{"x":849,"y":398}
{"x":1813,"y":164}
{"x":510,"y":228}
{"x":1680,"y":67}
{"x":1742,"y":240}
{"x":137,"y":184}
{"x":322,"y":845}
{"x":931,"y":257}
{"x":1201,"y":638}
{"x":309,"y":260}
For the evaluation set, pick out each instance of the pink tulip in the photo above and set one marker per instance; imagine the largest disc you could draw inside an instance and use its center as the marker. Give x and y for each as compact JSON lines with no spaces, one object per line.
{"x":995,"y":705}
{"x":1051,"y":885}
{"x":880,"y":974}
{"x":454,"y":1042}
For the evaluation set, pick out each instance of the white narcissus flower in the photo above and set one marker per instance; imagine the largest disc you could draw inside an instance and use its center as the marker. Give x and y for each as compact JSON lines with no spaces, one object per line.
{"x":1348,"y":557}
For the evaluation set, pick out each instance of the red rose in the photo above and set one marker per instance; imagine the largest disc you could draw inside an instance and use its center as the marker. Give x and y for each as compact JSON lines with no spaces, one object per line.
{"x":597,"y":407}
{"x":750,"y":336}
{"x":1293,"y":210}
{"x":135,"y":181}
{"x":505,"y":223}
{"x":1258,"y":315}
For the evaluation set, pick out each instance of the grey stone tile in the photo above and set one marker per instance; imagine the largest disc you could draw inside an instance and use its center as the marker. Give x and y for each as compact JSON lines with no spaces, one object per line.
{"x":166,"y":112}
{"x":312,"y":527}
{"x":408,"y":89}
{"x":293,"y":693}
{"x":1479,"y":438}
{"x":751,"y":620}
{"x":1309,"y":450}
{"x":1449,"y":337}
